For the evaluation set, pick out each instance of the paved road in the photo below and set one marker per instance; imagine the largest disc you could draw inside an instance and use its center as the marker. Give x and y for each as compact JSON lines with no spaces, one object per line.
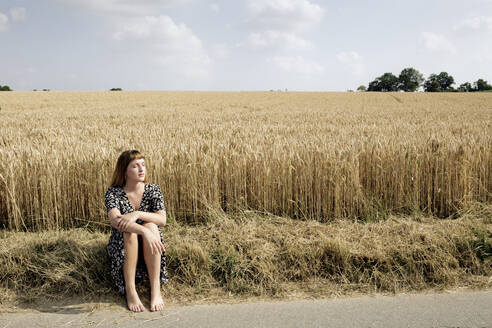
{"x":446,"y":310}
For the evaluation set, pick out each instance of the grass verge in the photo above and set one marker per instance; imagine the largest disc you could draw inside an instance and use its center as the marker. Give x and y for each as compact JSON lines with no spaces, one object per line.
{"x":261,"y":256}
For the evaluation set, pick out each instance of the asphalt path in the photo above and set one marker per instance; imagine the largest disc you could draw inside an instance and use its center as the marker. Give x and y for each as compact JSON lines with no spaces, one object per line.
{"x":455,"y":309}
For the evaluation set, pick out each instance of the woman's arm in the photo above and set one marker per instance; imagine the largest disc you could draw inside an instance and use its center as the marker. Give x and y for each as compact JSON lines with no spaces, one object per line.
{"x":115,"y":217}
{"x":135,"y":228}
{"x":159,"y":217}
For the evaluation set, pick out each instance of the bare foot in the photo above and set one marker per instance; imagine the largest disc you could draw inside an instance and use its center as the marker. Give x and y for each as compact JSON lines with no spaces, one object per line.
{"x":133,"y":301}
{"x":156,"y":302}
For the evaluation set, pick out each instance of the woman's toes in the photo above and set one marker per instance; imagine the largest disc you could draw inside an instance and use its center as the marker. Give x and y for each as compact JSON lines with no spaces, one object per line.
{"x":133,"y":302}
{"x":157,"y":307}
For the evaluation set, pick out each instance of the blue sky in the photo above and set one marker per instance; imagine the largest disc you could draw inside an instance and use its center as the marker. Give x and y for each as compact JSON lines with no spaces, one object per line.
{"x":306,"y":45}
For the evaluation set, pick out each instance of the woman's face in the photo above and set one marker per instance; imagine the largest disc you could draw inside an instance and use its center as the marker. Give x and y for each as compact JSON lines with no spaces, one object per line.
{"x":136,"y":170}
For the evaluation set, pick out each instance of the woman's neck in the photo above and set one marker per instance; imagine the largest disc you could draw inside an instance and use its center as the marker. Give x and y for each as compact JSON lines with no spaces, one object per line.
{"x":133,"y":186}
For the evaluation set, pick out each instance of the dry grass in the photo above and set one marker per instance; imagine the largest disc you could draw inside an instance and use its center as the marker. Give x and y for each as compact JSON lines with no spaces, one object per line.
{"x":249,"y":255}
{"x":299,"y":155}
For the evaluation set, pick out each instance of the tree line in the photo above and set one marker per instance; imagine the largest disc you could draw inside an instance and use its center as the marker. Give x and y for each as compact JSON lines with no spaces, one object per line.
{"x":411,"y":79}
{"x":7,"y":88}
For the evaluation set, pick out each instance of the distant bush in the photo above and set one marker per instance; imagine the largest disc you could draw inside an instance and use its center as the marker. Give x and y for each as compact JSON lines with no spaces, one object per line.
{"x":115,"y":89}
{"x":5,"y":88}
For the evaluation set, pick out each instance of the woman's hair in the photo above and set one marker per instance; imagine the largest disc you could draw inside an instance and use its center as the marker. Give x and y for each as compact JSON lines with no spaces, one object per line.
{"x":125,"y":158}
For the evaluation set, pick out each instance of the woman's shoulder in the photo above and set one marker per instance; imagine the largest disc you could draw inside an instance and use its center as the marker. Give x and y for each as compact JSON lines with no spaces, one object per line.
{"x":154,"y":189}
{"x":113,"y":190}
{"x":153,"y":186}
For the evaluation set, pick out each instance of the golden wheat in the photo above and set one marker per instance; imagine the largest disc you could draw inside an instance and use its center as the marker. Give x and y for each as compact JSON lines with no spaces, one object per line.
{"x":301,"y":155}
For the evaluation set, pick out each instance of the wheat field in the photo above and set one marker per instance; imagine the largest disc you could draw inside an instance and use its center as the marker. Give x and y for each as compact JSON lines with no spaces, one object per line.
{"x":299,"y":155}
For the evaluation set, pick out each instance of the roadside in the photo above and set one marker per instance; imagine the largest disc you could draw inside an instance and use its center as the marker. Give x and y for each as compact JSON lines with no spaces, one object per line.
{"x":261,"y":256}
{"x":451,"y":308}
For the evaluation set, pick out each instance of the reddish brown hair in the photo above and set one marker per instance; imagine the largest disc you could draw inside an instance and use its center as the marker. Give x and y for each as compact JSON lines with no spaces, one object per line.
{"x":124,"y":160}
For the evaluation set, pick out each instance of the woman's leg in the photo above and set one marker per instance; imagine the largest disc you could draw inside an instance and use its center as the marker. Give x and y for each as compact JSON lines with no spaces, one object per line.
{"x":153,"y":262}
{"x":129,"y":268}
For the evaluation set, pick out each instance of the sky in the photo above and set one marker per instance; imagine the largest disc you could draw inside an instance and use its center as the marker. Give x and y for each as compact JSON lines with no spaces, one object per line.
{"x":301,"y":45}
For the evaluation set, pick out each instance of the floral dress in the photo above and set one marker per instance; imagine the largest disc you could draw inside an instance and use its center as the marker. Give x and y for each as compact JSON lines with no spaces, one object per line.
{"x":152,"y":201}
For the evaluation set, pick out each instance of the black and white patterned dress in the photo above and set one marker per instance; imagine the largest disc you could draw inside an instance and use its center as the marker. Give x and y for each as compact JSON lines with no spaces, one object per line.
{"x":152,"y":201}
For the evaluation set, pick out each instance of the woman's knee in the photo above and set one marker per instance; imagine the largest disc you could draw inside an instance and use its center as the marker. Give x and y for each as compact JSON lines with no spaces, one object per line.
{"x":130,"y":237}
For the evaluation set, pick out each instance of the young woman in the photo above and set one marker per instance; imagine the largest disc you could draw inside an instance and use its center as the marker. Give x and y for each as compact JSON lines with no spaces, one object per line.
{"x":136,"y":211}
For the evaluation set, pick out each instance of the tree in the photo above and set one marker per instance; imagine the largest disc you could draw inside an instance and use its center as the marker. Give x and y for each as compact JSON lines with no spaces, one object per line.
{"x":482,"y":85}
{"x":410,"y":79}
{"x":362,"y":88}
{"x":446,"y":81}
{"x":386,"y":82}
{"x":437,"y":83}
{"x":5,"y":88}
{"x":432,"y":84}
{"x":115,"y":89}
{"x":466,"y":87}
{"x":374,"y":86}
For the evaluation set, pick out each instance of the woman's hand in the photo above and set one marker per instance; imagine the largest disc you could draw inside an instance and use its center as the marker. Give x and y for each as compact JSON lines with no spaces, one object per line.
{"x":153,"y":241}
{"x":125,"y":220}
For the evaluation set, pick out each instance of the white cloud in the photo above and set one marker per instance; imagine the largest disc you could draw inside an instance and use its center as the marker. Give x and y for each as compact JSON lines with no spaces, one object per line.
{"x":175,"y":45}
{"x":221,"y":51}
{"x":131,"y":7}
{"x":215,"y":7}
{"x":436,"y":42}
{"x":285,"y":14}
{"x":276,"y":40}
{"x":18,"y":14}
{"x":4,"y":22}
{"x":297,"y":64}
{"x":475,"y":23}
{"x":277,"y":27}
{"x":352,"y":60}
